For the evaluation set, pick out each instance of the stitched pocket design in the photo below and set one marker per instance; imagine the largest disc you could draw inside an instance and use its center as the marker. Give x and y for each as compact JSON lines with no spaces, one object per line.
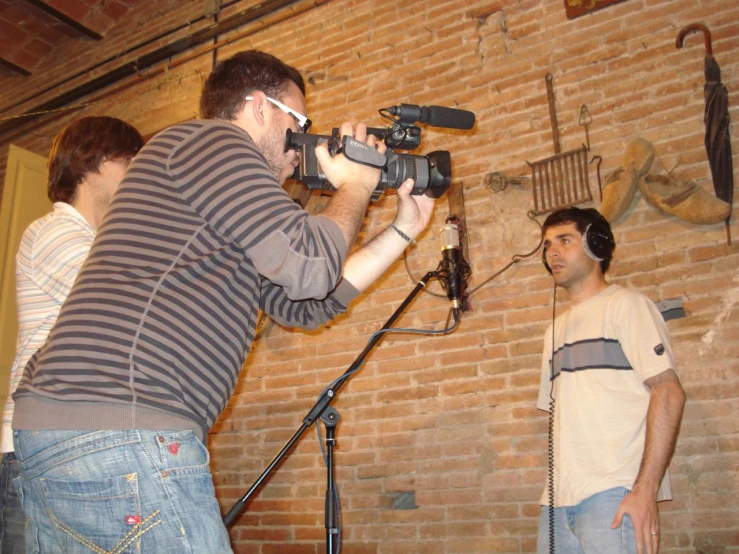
{"x":102,"y":515}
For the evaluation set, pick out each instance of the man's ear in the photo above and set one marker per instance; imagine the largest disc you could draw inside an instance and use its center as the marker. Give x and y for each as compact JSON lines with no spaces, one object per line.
{"x":258,"y":106}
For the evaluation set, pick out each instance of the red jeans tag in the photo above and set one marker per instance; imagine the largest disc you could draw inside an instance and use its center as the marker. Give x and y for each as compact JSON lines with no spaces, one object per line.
{"x":133,"y":520}
{"x":174,"y":448}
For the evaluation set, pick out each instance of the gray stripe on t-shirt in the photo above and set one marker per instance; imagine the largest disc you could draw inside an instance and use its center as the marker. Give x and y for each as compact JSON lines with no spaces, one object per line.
{"x":590,"y":354}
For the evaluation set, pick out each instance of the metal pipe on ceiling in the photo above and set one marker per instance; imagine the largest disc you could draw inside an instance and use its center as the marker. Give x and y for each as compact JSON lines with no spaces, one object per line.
{"x":148,"y":60}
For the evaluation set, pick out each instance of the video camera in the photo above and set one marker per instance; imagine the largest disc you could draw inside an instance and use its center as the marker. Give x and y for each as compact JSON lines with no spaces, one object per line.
{"x":432,"y":174}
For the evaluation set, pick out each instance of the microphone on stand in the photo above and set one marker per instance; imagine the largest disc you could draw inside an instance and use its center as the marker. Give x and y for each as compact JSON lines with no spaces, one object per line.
{"x":450,"y":274}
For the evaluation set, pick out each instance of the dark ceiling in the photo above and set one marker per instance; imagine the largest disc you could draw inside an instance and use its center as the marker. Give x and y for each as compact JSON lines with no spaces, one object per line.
{"x":32,"y":29}
{"x":33,"y":32}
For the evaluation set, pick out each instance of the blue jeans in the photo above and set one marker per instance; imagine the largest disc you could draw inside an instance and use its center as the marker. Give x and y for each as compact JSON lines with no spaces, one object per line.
{"x":586,"y":527}
{"x":118,"y":492}
{"x":12,"y":518}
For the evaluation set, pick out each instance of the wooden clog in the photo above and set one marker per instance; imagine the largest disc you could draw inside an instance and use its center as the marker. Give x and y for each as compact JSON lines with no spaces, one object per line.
{"x":684,"y":199}
{"x":621,"y":184}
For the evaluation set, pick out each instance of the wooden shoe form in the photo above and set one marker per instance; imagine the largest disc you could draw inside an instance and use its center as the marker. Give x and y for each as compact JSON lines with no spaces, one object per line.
{"x":683,"y":199}
{"x":622,"y":183}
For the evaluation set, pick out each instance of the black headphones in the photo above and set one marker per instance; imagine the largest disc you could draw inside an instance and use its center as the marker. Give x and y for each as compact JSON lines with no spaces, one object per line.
{"x":597,"y":241}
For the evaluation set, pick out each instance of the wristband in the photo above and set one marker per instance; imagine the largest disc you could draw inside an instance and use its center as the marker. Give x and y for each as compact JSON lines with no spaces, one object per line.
{"x":405,"y":237}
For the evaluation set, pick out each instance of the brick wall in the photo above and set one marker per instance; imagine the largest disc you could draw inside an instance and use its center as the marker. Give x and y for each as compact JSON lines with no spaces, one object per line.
{"x":452,"y":418}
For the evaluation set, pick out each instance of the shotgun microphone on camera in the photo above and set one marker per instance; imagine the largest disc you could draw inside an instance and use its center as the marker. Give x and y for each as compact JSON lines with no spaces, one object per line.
{"x":436,"y":116}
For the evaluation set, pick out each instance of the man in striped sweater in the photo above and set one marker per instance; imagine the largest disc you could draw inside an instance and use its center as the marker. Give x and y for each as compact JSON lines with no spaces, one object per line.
{"x":86,"y":165}
{"x":112,"y":414}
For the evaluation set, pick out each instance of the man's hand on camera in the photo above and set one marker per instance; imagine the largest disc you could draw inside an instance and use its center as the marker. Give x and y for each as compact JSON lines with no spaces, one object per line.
{"x":414,"y":212}
{"x":340,"y":171}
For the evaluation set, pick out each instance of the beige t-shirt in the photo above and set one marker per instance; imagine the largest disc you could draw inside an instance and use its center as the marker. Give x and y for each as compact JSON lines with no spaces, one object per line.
{"x":605,"y":348}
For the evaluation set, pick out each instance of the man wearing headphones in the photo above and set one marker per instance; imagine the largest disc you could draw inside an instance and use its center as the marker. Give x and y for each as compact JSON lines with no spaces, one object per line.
{"x":614,"y":399}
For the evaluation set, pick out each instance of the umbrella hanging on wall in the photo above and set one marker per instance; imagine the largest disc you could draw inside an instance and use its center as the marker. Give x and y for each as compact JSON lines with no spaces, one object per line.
{"x":716,"y":118}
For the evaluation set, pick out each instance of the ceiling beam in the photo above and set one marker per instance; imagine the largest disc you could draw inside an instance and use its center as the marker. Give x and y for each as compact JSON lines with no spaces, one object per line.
{"x":68,"y":21}
{"x":7,"y":64}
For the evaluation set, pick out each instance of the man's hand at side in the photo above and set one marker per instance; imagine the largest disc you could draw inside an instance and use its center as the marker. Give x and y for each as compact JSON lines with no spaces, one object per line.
{"x":664,"y":414}
{"x":642,"y":509}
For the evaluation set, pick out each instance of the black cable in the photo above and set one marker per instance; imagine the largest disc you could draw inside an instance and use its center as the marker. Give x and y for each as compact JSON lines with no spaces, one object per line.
{"x":444,"y":331}
{"x":514,"y":260}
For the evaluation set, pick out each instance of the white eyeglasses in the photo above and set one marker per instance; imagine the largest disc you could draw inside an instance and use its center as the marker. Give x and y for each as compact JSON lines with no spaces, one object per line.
{"x":304,"y":124}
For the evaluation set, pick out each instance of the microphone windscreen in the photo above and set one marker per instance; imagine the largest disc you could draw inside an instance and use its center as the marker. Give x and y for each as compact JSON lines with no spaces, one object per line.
{"x":449,"y":118}
{"x":449,"y":236}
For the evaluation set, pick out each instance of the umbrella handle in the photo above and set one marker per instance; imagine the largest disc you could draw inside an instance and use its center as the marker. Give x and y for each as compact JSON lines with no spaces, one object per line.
{"x":695,"y":27}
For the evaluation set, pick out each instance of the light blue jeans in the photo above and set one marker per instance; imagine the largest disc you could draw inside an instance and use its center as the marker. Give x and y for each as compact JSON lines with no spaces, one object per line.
{"x":12,"y":518}
{"x":118,"y":492}
{"x":586,"y":527}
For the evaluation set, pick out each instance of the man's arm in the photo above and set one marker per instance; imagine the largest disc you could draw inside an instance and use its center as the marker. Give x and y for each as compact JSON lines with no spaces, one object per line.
{"x":361,"y":269}
{"x":354,"y":183}
{"x":664,"y":414}
{"x":365,"y":265}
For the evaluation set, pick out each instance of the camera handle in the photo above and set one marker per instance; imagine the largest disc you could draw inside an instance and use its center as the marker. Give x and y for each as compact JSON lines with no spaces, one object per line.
{"x":361,"y":153}
{"x":317,"y":411}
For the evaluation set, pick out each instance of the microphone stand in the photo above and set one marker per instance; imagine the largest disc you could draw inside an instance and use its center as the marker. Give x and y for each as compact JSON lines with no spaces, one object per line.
{"x":316,"y":412}
{"x":330,"y":418}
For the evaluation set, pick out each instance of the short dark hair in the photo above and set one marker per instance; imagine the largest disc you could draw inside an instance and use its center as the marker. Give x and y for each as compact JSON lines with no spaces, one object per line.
{"x":82,"y":147}
{"x":240,"y":75}
{"x":583,"y":218}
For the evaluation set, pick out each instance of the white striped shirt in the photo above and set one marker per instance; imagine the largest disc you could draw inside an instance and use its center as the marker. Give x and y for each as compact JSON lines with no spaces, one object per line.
{"x":51,"y":253}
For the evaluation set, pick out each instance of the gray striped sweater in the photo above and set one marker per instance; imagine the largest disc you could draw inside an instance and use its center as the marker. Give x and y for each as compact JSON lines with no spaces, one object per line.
{"x":160,"y":320}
